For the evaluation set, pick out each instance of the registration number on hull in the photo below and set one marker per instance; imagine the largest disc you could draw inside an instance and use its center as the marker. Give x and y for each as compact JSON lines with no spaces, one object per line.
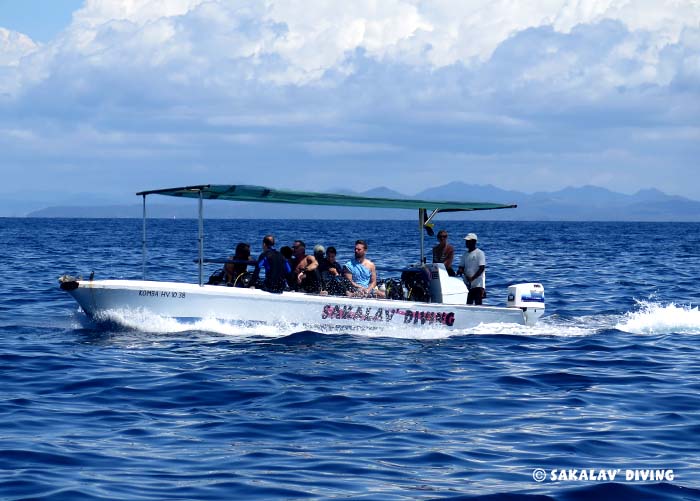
{"x":165,"y":294}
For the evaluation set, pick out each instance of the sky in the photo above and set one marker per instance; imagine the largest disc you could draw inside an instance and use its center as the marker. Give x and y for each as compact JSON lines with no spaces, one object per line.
{"x":110,"y":97}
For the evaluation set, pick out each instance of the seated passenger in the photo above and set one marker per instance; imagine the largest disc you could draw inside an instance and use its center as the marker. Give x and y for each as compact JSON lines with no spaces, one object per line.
{"x":235,"y":272}
{"x":319,"y":252}
{"x":362,"y":273}
{"x":287,"y":252}
{"x":305,"y":269}
{"x":329,"y":266}
{"x":275,"y":266}
{"x":332,"y":278}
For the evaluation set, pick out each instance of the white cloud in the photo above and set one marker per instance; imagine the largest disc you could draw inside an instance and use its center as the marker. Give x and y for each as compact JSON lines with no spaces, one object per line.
{"x":299,"y":42}
{"x":14,"y":46}
{"x":527,"y":86}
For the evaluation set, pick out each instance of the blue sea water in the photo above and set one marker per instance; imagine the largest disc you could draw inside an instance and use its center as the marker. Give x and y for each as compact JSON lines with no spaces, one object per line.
{"x":153,"y":409}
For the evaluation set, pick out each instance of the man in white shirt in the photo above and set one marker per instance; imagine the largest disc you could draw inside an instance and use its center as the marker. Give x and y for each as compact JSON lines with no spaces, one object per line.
{"x":473,"y":266}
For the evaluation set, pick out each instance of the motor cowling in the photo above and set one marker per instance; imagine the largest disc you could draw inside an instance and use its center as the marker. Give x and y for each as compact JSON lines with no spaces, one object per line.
{"x":444,"y":288}
{"x":529,"y":298}
{"x":526,"y":296}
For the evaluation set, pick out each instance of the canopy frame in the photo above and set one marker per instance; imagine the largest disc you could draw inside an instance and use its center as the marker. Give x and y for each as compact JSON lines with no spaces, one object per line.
{"x":251,"y":193}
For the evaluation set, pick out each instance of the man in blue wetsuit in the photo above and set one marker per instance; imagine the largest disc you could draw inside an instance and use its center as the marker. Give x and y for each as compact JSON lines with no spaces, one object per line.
{"x":275,"y":265}
{"x":361,"y":273}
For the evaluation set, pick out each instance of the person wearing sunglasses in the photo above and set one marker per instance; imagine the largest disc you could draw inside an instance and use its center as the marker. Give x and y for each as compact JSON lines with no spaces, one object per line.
{"x":444,"y":253}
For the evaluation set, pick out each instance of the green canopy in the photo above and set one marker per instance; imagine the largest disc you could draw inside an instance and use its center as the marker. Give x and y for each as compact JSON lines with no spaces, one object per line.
{"x":248,"y":193}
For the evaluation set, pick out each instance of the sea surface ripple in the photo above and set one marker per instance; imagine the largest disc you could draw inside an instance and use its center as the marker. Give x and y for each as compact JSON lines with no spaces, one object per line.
{"x":149,"y":408}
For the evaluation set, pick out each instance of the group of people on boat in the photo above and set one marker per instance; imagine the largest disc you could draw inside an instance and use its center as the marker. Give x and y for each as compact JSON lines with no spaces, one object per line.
{"x":291,"y":268}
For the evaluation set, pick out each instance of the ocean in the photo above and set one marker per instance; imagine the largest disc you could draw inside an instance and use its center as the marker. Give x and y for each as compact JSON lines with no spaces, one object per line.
{"x":600,"y":400}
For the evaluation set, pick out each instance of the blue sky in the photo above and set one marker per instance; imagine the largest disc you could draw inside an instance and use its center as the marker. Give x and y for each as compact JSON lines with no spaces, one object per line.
{"x":114,"y":96}
{"x":42,"y":20}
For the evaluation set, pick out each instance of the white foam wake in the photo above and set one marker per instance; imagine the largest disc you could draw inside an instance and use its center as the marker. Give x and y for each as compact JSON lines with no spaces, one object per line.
{"x":650,"y":318}
{"x":657,"y":318}
{"x":146,"y":321}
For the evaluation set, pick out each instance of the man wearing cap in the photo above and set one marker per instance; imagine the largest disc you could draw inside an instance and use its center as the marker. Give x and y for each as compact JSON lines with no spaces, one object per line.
{"x":473,"y":266}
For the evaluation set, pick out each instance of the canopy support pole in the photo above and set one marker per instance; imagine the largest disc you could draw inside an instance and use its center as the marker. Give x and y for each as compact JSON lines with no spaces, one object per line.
{"x":421,"y":217}
{"x":143,"y":239}
{"x":201,"y":239}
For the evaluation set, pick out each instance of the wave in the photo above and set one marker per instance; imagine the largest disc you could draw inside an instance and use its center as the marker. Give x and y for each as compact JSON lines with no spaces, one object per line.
{"x":657,"y":318}
{"x":648,"y":318}
{"x":145,"y":321}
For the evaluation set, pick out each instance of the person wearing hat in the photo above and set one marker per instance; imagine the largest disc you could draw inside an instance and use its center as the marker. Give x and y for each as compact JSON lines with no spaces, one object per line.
{"x":473,"y":266}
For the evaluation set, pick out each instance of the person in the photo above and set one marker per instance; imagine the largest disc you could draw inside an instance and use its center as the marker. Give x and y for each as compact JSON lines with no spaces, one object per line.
{"x":473,"y":266}
{"x":330,"y":267}
{"x":331,"y":272}
{"x":235,"y":272}
{"x":276,"y":267}
{"x":319,"y":253}
{"x":305,"y":269}
{"x":288,"y":254}
{"x":361,"y":273}
{"x":444,"y":253}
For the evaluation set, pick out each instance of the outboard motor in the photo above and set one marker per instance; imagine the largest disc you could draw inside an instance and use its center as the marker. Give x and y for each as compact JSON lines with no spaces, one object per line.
{"x":529,"y":298}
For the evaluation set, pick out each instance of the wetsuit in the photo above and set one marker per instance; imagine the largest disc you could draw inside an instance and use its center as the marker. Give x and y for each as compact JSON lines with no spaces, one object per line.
{"x":276,"y":269}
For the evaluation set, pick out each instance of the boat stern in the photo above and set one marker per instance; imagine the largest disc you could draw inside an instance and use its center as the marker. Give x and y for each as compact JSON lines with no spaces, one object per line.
{"x":529,"y":298}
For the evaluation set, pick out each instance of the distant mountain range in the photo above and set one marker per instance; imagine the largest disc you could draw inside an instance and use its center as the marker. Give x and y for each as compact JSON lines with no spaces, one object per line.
{"x":587,"y":203}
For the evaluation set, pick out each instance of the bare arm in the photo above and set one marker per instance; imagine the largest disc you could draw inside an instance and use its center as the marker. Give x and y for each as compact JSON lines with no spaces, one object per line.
{"x":311,"y":263}
{"x":449,"y":256}
{"x":308,"y":265}
{"x":373,"y":276}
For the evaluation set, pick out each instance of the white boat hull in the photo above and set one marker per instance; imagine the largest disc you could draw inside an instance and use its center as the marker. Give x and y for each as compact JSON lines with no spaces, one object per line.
{"x":193,"y":302}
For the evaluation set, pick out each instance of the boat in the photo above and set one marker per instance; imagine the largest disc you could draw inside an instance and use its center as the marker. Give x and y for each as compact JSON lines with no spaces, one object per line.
{"x":440,"y":304}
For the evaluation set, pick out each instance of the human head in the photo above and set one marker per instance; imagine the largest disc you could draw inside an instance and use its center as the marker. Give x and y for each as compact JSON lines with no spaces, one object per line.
{"x":440,"y":235}
{"x":470,"y":241}
{"x":242,"y":250}
{"x":269,"y":241}
{"x":331,"y":253}
{"x":299,"y":248}
{"x":286,"y":251}
{"x":360,"y":249}
{"x":319,"y":251}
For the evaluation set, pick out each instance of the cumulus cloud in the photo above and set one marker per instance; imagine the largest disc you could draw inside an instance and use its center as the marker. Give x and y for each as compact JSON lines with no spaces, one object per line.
{"x":417,"y":84}
{"x":14,"y":46}
{"x":301,"y":42}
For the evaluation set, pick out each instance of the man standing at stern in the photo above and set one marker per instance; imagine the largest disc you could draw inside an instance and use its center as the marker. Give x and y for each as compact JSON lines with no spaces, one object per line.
{"x":473,"y":266}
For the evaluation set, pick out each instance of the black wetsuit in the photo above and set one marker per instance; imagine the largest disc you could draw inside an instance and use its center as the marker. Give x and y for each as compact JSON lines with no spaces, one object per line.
{"x":276,"y":269}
